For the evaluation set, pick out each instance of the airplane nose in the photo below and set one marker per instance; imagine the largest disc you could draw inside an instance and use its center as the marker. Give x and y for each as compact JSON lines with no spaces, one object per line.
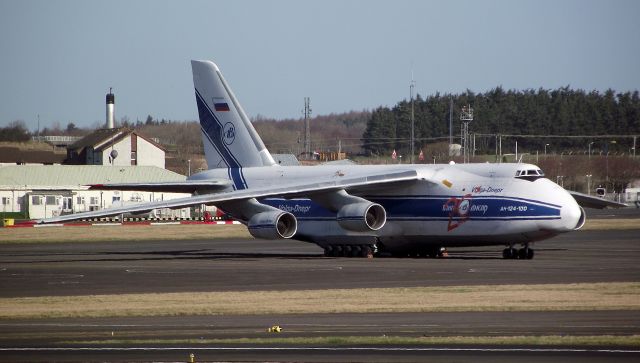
{"x":572,"y":215}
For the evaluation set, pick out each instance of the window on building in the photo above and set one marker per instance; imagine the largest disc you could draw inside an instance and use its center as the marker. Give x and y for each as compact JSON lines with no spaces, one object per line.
{"x":51,"y":200}
{"x":116,"y":198}
{"x":6,"y":200}
{"x":79,"y":200}
{"x":36,"y":200}
{"x":93,"y":201}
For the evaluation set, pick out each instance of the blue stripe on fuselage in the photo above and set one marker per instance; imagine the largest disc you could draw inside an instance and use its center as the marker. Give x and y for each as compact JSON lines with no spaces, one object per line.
{"x":421,"y":208}
{"x":212,"y":127}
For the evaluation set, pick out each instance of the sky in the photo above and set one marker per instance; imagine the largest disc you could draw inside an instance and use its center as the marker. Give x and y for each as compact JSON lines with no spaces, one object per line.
{"x":59,"y":58}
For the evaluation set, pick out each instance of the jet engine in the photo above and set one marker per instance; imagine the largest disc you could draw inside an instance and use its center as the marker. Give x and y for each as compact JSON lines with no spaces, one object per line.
{"x":353,"y":213}
{"x":273,"y":225}
{"x":362,"y":217}
{"x":263,"y":221}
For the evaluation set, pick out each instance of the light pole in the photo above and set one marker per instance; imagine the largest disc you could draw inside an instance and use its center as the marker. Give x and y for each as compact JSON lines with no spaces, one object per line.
{"x":189,"y":162}
{"x":591,"y":143}
{"x":545,"y":149}
{"x":588,"y":183}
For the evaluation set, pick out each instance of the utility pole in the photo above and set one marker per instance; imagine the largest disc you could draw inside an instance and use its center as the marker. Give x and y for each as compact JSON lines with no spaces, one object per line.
{"x":307,"y":131}
{"x":413,"y":83}
{"x":450,"y":124}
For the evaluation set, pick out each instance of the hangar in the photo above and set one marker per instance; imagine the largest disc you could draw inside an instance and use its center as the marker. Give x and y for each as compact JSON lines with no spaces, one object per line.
{"x":42,"y":191}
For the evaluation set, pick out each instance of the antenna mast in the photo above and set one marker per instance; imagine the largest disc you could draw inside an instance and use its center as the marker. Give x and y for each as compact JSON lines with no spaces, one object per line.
{"x":466,"y":116}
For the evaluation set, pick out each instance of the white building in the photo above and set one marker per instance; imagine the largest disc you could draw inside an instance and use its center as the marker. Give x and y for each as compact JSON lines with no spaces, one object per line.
{"x":52,"y":190}
{"x":116,"y":147}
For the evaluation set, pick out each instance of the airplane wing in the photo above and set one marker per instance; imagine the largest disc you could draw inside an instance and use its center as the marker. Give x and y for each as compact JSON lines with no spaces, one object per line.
{"x":286,"y":191}
{"x":189,"y":186}
{"x":589,"y":201}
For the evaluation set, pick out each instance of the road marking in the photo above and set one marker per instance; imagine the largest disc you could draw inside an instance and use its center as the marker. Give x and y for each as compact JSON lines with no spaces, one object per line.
{"x":387,"y":349}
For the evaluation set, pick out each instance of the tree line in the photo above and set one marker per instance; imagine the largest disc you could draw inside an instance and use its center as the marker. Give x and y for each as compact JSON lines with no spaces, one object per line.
{"x":532,"y":114}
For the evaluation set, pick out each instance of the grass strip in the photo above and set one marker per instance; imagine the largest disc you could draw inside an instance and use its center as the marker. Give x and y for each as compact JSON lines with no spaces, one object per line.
{"x":535,"y":297}
{"x":121,"y":233}
{"x":611,"y":224}
{"x":524,"y":340}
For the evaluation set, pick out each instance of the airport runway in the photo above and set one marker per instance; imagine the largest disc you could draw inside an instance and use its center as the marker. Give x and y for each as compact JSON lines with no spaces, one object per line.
{"x":238,"y":265}
{"x":224,"y":265}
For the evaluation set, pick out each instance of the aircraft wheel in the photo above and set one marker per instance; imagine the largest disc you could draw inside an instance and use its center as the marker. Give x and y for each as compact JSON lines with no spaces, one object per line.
{"x":328,"y":251}
{"x":434,"y":252}
{"x":530,"y":253}
{"x":337,"y":251}
{"x":366,"y":251}
{"x":525,"y":253}
{"x":509,"y":253}
{"x":355,"y":251}
{"x":346,"y":251}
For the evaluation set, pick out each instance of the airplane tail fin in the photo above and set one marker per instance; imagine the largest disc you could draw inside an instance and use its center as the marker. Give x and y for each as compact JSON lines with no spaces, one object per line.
{"x":229,"y":139}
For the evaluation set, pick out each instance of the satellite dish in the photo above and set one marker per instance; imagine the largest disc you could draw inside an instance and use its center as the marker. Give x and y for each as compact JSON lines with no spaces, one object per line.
{"x":114,"y":154}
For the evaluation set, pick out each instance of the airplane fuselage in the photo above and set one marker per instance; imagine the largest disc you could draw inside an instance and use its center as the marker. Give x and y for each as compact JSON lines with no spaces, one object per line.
{"x":471,"y":204}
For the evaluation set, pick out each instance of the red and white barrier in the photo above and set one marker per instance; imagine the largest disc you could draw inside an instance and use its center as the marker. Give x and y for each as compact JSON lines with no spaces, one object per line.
{"x":98,"y":224}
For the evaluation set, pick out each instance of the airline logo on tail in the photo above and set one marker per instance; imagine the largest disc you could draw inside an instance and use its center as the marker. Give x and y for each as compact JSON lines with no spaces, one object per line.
{"x":229,"y":133}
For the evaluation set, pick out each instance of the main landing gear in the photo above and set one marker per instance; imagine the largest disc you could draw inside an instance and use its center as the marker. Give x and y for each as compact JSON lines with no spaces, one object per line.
{"x":350,"y":251}
{"x":525,"y":253}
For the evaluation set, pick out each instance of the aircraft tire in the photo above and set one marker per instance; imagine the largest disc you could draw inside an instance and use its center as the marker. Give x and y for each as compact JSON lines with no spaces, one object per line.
{"x":530,"y":254}
{"x":433,"y":252}
{"x":525,"y":253}
{"x":510,"y":253}
{"x":337,"y":251}
{"x":356,"y":251}
{"x":346,"y":251}
{"x":366,"y":251}
{"x":328,"y":251}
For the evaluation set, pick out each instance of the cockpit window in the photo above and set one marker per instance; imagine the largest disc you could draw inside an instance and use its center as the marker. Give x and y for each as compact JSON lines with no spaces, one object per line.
{"x":529,"y":174}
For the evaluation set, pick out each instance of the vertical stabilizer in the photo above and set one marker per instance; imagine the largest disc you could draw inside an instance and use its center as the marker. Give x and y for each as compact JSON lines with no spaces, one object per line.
{"x":229,"y":139}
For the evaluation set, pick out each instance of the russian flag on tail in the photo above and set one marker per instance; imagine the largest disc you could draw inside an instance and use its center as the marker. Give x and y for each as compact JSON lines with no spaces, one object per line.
{"x":221,"y":106}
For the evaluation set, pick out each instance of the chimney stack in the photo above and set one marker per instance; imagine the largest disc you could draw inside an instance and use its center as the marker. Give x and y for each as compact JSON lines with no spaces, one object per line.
{"x":110,"y":105}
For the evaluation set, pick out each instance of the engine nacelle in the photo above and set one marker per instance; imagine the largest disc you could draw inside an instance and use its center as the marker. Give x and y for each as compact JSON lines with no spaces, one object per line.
{"x":362,"y":217}
{"x":273,"y":225}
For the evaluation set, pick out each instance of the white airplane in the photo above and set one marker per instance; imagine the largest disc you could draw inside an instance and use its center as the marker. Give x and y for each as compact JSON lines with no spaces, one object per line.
{"x":359,"y":210}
